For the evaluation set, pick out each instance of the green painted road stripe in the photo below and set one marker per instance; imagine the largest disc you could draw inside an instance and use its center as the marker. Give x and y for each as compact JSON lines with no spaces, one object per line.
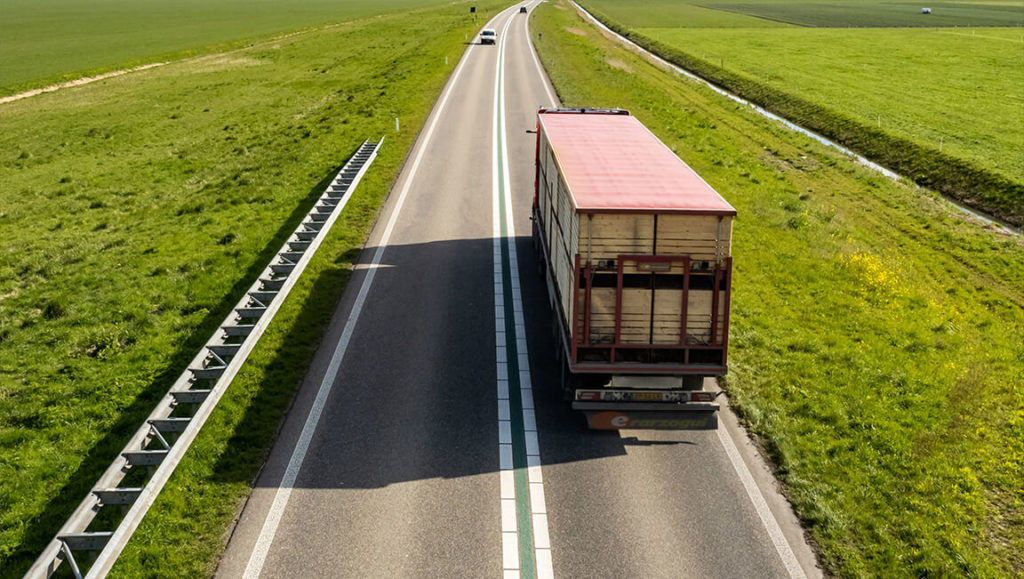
{"x":527,"y":564}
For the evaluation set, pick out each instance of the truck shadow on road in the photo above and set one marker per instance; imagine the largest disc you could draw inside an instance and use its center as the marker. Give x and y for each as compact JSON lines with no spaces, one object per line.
{"x":416,"y":394}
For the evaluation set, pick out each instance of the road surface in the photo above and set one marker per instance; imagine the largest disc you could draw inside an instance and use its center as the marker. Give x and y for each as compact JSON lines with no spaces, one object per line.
{"x":429,"y":439}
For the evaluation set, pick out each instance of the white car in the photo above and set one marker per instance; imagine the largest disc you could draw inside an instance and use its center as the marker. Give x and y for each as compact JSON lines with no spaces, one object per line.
{"x":488,"y":36}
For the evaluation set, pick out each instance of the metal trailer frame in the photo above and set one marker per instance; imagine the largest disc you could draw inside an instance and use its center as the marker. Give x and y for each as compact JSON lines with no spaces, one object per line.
{"x":580,"y":337}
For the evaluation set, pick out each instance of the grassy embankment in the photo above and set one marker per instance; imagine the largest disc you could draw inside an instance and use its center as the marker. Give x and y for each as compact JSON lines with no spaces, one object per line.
{"x":877,"y":337}
{"x":135,"y":211}
{"x":60,"y":40}
{"x":927,"y":89}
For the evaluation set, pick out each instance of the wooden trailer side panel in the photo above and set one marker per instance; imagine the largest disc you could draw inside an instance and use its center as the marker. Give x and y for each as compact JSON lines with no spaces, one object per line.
{"x":609,"y":235}
{"x":668,"y":311}
{"x":634,"y":323}
{"x":702,"y":237}
{"x":561,"y":227}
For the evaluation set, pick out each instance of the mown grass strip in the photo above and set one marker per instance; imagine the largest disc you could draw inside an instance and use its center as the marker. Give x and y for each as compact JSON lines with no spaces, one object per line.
{"x":965,"y":181}
{"x":877,"y":340}
{"x":134,"y":213}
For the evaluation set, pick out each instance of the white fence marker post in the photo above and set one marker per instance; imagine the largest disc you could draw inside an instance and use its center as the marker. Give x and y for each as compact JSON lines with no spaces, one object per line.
{"x":396,"y":124}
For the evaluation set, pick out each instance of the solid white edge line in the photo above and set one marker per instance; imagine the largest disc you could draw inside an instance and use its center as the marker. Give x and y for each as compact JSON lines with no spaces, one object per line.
{"x":536,"y":61}
{"x":509,"y":524}
{"x":509,"y":537}
{"x":270,"y":525}
{"x":545,"y":569}
{"x":772,"y":527}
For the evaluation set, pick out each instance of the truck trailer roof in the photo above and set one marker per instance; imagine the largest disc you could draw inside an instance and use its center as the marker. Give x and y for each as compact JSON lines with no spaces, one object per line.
{"x":612,"y":163}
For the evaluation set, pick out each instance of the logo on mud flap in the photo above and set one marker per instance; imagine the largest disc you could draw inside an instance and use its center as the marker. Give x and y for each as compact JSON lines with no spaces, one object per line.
{"x":616,"y":420}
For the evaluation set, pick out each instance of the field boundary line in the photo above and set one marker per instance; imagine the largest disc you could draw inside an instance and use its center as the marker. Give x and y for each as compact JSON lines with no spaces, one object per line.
{"x":78,"y":82}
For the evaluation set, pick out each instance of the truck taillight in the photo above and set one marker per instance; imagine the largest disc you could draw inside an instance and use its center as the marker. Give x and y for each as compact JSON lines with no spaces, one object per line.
{"x":702,"y":397}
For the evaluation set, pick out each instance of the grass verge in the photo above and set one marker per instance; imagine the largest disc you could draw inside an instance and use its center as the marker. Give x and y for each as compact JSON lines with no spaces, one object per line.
{"x":968,"y":182}
{"x":877,"y":337}
{"x":134,"y":213}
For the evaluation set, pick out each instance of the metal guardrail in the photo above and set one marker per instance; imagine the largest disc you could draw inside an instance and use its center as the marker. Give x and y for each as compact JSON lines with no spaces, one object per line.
{"x":161,"y":442}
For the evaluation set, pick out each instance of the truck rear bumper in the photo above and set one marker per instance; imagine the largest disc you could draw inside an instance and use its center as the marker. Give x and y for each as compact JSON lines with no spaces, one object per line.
{"x":648,"y":369}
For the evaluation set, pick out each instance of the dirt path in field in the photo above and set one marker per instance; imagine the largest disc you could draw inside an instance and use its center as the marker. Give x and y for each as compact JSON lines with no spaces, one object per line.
{"x":76,"y":82}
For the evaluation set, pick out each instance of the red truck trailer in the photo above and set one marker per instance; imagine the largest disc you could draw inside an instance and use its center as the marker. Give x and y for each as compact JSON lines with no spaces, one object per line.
{"x":635,"y":249}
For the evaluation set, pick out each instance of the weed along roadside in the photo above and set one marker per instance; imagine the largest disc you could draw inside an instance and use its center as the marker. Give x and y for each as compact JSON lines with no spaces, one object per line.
{"x":876,"y":338}
{"x":135,"y":211}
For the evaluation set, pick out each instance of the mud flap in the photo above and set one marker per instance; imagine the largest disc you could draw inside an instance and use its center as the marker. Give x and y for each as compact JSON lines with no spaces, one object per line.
{"x":618,"y":419}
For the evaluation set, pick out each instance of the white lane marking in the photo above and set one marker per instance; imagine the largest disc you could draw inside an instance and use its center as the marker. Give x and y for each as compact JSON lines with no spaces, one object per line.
{"x":761,"y":506}
{"x":540,"y":524}
{"x":508,"y":484}
{"x":508,"y":516}
{"x":553,"y":101}
{"x":545,"y":569}
{"x":273,"y":520}
{"x":538,"y":507}
{"x":510,"y":532}
{"x":505,"y":462}
{"x":510,"y":552}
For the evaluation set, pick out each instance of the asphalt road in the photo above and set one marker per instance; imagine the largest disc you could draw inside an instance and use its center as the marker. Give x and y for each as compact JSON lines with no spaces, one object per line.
{"x":391,"y":461}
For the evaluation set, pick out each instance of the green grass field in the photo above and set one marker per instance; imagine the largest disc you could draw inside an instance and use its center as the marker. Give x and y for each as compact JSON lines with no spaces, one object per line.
{"x":47,"y":42}
{"x":881,"y":14}
{"x":809,"y":13}
{"x":961,"y":89}
{"x":939,"y":105}
{"x":877,"y":342}
{"x":135,"y":211}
